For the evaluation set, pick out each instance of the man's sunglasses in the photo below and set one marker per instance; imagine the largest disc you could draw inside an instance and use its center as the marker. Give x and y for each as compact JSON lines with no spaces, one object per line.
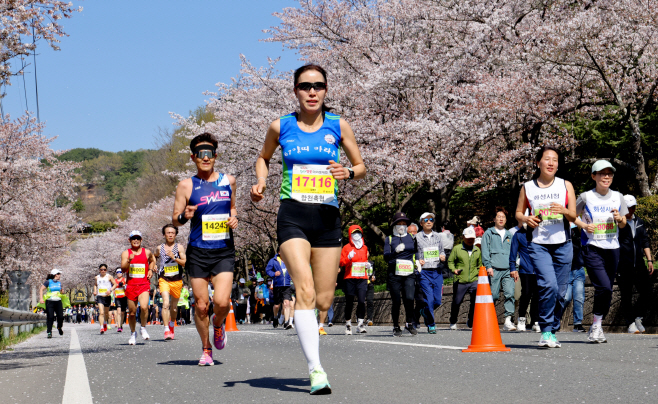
{"x":201,"y":154}
{"x":135,"y":238}
{"x":317,"y":86}
{"x":428,"y":220}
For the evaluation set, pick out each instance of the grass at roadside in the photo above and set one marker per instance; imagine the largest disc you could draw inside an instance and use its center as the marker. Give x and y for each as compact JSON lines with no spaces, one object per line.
{"x":6,"y":343}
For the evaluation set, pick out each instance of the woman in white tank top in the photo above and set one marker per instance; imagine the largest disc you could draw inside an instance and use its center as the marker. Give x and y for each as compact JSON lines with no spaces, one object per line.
{"x":601,"y":214}
{"x":551,"y":204}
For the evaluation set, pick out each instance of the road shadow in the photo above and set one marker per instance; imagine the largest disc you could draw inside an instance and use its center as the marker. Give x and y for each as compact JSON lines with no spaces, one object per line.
{"x":274,"y":383}
{"x":185,"y":362}
{"x":522,"y":346}
{"x":16,"y":365}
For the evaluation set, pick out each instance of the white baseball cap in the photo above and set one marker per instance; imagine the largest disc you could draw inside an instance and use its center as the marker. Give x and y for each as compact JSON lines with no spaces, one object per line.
{"x":135,"y":233}
{"x":469,"y":232}
{"x":55,"y":271}
{"x":241,"y":280}
{"x":630,"y":201}
{"x":427,"y":214}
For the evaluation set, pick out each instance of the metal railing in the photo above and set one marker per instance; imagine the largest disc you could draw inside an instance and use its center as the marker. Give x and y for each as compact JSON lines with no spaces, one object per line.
{"x":20,"y":321}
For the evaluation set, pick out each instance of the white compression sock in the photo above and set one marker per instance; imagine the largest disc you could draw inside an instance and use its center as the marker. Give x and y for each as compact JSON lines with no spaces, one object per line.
{"x":320,"y":325}
{"x":307,"y":331}
{"x":597,"y":320}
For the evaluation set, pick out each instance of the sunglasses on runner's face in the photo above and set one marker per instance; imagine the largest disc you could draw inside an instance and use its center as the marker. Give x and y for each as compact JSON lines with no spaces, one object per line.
{"x":201,"y":154}
{"x":135,"y":238}
{"x":428,"y":220}
{"x":317,"y":86}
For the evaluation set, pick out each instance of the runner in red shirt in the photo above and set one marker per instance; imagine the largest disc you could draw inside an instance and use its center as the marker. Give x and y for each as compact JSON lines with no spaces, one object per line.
{"x":138,"y":263}
{"x":354,"y":257}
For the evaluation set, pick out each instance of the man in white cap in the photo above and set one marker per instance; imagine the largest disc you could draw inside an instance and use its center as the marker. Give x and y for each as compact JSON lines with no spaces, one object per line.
{"x":634,"y":247}
{"x":430,"y":253}
{"x":138,"y":263}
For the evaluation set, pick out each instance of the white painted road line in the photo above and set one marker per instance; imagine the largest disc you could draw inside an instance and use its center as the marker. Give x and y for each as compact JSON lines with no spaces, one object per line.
{"x":261,"y":332}
{"x":408,"y":344}
{"x":76,"y":387}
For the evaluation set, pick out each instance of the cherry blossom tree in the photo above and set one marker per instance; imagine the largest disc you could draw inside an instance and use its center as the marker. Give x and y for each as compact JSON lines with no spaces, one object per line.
{"x":23,"y":23}
{"x":36,"y":218}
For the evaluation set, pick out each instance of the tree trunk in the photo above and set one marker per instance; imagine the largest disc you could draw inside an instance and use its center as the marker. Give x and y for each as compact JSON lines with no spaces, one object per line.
{"x":638,"y":159}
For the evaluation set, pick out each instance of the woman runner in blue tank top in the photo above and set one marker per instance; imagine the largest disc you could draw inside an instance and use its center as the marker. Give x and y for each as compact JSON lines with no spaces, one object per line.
{"x":207,"y":200}
{"x":308,"y":222}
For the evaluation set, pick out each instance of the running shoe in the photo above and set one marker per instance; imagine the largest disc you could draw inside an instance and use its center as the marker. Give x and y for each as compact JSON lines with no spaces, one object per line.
{"x":102,"y":330}
{"x":167,"y":335}
{"x":632,"y":329}
{"x":546,"y":340}
{"x":145,"y":335}
{"x":50,"y":335}
{"x":638,"y":324}
{"x":133,"y":338}
{"x":275,"y":322}
{"x":319,"y":383}
{"x":397,"y":332}
{"x":555,"y":341}
{"x":330,"y":324}
{"x":412,"y":330}
{"x":289,"y":325}
{"x":322,"y":331}
{"x":453,"y":327}
{"x":521,"y":324}
{"x":370,"y":323}
{"x":348,"y":329}
{"x":509,"y":325}
{"x":105,"y":327}
{"x":219,"y":336}
{"x":361,"y":329}
{"x":171,"y":331}
{"x":206,"y":358}
{"x":578,"y":328}
{"x":596,"y":335}
{"x":536,"y":328}
{"x":431,"y":329}
{"x":120,"y":329}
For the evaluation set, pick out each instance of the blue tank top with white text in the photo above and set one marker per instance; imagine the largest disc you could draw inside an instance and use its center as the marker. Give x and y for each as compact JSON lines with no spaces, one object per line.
{"x":54,"y":286}
{"x":305,"y":157}
{"x":208,"y":227}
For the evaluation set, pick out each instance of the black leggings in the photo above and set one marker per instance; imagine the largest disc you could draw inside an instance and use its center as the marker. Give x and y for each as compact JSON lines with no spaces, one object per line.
{"x":358,"y":288}
{"x":402,"y":287}
{"x":370,"y":301}
{"x":54,"y":307}
{"x":529,"y":293}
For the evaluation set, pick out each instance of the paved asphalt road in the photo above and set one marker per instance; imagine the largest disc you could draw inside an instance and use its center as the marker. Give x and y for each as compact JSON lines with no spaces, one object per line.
{"x":266,"y":365}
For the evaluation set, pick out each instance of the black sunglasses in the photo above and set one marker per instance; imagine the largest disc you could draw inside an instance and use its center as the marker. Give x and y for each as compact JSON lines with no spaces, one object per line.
{"x":317,"y":86}
{"x":201,"y":154}
{"x":135,"y":238}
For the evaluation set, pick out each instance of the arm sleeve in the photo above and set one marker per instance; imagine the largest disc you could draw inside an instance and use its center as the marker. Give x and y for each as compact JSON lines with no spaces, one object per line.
{"x":387,"y":250}
{"x":270,"y":269}
{"x":514,"y":249}
{"x":485,"y":249}
{"x":451,"y":260}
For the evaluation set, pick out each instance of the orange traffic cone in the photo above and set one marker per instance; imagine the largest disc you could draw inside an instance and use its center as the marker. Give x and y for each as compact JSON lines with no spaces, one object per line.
{"x":230,"y":320}
{"x":112,"y":322}
{"x":92,"y":320}
{"x":486,"y":334}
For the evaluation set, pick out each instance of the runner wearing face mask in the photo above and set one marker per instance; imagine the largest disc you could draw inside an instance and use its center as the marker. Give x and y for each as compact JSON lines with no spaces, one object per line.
{"x":399,"y":253}
{"x":354,"y":257}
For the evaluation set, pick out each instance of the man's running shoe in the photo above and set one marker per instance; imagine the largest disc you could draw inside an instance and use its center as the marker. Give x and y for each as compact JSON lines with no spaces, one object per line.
{"x":370,"y":323}
{"x":412,"y":330}
{"x":638,"y":324}
{"x":596,"y":335}
{"x":171,"y":331}
{"x":319,"y":383}
{"x":50,"y":335}
{"x":555,"y":341}
{"x":546,"y":340}
{"x":287,"y":325}
{"x":219,"y":336}
{"x":206,"y":358}
{"x":133,"y":338}
{"x":330,"y":324}
{"x":431,"y":329}
{"x":361,"y":329}
{"x":275,"y":322}
{"x":578,"y":328}
{"x":322,"y":331}
{"x":632,"y":329}
{"x":61,"y":332}
{"x":453,"y":327}
{"x":167,"y":335}
{"x":536,"y":328}
{"x":397,"y":332}
{"x":348,"y":329}
{"x":145,"y":335}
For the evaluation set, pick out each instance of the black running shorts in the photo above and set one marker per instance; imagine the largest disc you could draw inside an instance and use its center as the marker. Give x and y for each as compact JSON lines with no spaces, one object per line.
{"x":316,"y":223}
{"x":205,"y":263}
{"x":282,"y":293}
{"x":104,"y":300}
{"x":122,"y":303}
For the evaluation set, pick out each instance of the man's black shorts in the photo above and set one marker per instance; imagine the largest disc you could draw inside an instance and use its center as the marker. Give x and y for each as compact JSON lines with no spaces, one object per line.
{"x":104,"y":300}
{"x":205,"y":263}
{"x":282,"y":293}
{"x":315,"y":223}
{"x":121,"y":302}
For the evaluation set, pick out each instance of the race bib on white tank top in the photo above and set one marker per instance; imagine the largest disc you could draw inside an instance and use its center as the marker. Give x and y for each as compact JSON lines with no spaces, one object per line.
{"x":552,"y":229}
{"x":597,"y":212}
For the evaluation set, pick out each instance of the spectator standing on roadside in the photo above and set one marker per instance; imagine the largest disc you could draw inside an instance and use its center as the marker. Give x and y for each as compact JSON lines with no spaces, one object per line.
{"x":496,"y":245}
{"x":633,"y":271}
